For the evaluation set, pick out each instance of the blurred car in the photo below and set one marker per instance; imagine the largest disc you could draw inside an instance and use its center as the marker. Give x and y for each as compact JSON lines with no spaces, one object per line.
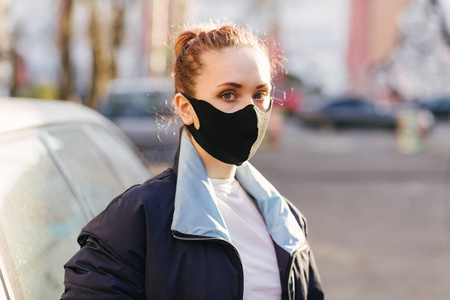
{"x":140,"y":107}
{"x":349,"y":112}
{"x":360,"y":113}
{"x":439,"y":107}
{"x":60,"y":165}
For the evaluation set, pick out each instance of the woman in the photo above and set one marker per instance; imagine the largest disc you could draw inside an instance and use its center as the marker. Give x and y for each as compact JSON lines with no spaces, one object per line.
{"x":211,"y":227}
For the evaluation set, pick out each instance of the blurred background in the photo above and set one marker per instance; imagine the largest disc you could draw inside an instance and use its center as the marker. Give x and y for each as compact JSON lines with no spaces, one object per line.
{"x":359,"y":136}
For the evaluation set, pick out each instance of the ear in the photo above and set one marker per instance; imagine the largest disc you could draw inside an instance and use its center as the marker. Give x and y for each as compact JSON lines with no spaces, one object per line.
{"x":184,"y":108}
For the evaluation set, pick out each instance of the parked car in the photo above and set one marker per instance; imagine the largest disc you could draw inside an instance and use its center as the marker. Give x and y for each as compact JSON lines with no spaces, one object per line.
{"x":60,"y":165}
{"x":440,"y":107}
{"x":359,"y":113}
{"x":141,"y":108}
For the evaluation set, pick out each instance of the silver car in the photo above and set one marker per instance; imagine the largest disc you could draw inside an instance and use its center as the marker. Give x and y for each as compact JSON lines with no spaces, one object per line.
{"x":60,"y":165}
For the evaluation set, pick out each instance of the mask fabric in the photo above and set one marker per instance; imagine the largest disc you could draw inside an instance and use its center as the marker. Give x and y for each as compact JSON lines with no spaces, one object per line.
{"x":229,"y":137}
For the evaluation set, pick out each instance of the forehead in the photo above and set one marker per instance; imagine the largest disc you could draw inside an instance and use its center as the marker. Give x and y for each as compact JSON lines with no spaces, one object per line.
{"x":236,"y":64}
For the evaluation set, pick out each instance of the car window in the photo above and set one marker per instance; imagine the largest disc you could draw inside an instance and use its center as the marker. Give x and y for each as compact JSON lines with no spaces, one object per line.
{"x":350,"y":104}
{"x":34,"y":217}
{"x":367,"y":107}
{"x":124,"y":162}
{"x":87,"y":169}
{"x":342,"y":104}
{"x":137,"y":105}
{"x":442,"y":104}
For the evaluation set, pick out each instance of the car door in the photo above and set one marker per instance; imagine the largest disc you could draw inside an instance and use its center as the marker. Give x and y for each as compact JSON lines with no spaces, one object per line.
{"x":53,"y":180}
{"x":40,"y":219}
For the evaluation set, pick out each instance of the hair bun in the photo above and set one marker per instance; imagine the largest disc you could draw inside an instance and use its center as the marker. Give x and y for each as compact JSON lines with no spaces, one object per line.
{"x":182,"y":40}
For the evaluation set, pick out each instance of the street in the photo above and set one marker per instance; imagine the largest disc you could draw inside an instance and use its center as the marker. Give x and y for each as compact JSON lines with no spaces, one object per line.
{"x":378,"y":220}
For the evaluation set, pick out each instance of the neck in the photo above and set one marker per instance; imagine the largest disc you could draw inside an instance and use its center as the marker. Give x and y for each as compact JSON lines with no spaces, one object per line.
{"x":214,"y":167}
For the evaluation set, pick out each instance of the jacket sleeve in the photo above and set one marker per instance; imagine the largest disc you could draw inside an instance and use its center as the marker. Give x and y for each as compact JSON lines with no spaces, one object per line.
{"x":111,"y":261}
{"x":95,"y":272}
{"x":315,"y":291}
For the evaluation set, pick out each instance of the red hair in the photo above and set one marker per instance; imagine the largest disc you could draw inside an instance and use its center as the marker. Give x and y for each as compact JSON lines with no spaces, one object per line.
{"x":190,"y":45}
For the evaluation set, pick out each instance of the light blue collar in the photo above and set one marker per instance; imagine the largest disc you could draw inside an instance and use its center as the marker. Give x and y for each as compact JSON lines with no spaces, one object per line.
{"x":196,"y":212}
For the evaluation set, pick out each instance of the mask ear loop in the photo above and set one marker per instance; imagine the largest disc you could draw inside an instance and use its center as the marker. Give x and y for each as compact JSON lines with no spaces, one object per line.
{"x":187,"y":98}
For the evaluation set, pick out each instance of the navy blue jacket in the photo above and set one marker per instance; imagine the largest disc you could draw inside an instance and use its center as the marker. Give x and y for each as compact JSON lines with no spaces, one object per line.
{"x":165,"y":239}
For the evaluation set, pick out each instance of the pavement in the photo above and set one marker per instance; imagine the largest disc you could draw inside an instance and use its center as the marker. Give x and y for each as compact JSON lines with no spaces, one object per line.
{"x":379,"y":220}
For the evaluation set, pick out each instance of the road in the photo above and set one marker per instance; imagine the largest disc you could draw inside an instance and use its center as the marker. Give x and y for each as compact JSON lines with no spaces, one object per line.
{"x":379,"y":221}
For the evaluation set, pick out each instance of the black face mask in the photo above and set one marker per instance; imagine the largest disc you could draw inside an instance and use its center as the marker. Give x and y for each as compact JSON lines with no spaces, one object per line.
{"x":229,"y":137}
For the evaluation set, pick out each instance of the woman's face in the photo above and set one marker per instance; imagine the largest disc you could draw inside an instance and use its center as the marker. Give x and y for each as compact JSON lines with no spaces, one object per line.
{"x":233,"y":78}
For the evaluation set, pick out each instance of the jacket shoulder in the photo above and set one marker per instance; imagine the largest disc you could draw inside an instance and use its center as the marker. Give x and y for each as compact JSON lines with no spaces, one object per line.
{"x":123,"y":226}
{"x":111,"y":261}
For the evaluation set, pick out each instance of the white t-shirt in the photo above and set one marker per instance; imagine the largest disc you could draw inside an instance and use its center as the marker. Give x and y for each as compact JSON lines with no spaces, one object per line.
{"x":248,"y":233}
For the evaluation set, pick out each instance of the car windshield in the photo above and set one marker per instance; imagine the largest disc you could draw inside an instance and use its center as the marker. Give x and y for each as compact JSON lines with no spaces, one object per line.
{"x":137,"y":105}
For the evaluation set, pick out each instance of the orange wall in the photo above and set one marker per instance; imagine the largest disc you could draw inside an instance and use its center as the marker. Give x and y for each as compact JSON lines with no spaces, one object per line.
{"x":383,"y":28}
{"x":373,"y":35}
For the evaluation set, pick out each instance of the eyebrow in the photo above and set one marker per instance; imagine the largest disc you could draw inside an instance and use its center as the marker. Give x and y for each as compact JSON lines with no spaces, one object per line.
{"x":237,"y":85}
{"x":233,"y":84}
{"x":262,"y":85}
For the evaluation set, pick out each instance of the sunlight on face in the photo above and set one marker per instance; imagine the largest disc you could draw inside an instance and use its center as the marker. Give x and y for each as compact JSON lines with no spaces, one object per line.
{"x":233,"y":78}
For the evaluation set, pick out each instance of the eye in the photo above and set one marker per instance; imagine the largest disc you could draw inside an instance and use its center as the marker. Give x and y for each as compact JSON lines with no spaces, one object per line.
{"x":260,"y":96}
{"x":228,"y":96}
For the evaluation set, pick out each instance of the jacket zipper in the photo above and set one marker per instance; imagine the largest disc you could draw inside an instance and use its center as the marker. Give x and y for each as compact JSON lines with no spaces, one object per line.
{"x":185,"y":237}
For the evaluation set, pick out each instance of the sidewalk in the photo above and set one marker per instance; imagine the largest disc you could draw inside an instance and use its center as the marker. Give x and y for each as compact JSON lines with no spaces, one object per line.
{"x":379,"y":221}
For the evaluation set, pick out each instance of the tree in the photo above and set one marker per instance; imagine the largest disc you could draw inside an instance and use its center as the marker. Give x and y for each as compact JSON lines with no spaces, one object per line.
{"x":106,"y":34}
{"x":66,"y":84}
